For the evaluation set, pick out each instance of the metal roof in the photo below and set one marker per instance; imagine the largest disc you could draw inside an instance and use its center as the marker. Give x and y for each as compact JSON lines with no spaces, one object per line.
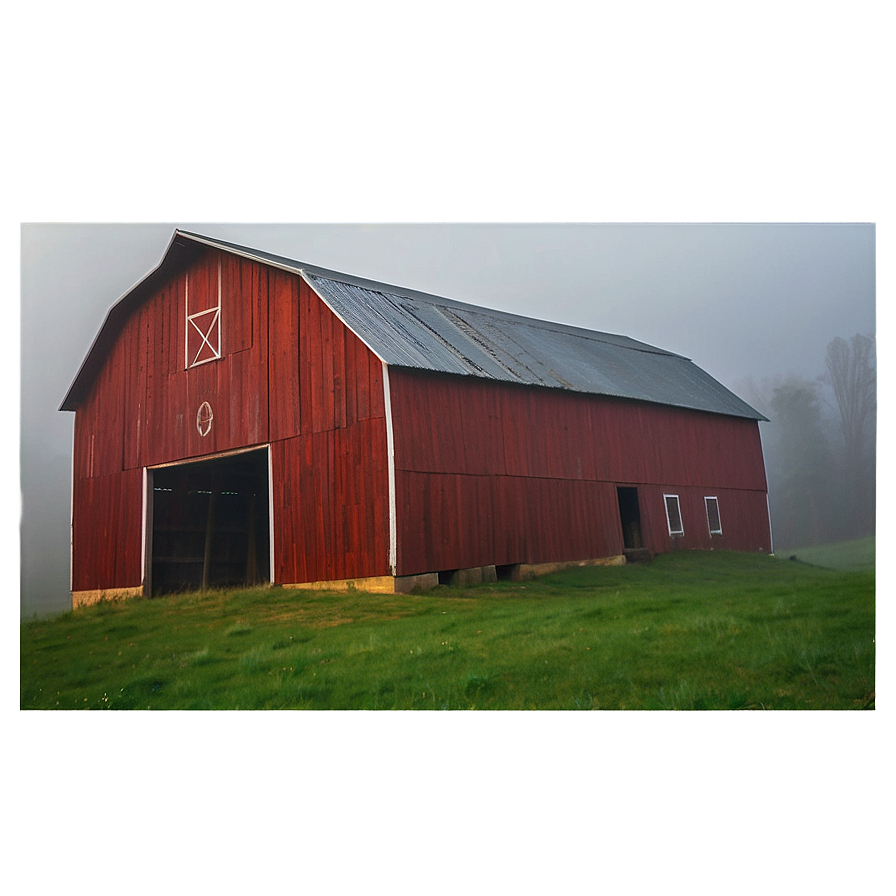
{"x":412,"y":329}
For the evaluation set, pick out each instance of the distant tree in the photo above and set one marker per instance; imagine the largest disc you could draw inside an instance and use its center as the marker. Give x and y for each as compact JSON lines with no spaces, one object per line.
{"x":851,"y":373}
{"x":799,"y":477}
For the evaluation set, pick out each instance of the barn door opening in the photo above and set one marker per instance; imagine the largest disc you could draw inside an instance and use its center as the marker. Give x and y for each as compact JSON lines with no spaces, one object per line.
{"x":210,"y":523}
{"x":630,"y":517}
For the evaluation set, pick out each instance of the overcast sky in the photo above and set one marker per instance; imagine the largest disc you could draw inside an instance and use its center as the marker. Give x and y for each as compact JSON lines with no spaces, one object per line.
{"x":632,"y":116}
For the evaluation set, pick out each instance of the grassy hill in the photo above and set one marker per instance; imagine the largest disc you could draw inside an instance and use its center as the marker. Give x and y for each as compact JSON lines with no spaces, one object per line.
{"x":688,"y":631}
{"x":857,"y":554}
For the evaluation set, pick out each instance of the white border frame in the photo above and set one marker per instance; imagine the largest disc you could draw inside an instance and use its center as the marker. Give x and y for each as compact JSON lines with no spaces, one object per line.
{"x":148,"y":505}
{"x":190,"y":319}
{"x":668,"y":520}
{"x":390,"y":459}
{"x":706,"y":500}
{"x":146,"y":557}
{"x":387,"y":400}
{"x":271,"y":510}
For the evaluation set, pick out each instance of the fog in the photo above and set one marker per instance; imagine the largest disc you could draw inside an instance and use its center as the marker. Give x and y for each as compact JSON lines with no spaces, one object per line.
{"x":586,"y":163}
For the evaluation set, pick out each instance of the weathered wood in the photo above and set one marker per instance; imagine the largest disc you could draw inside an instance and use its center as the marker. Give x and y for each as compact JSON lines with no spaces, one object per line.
{"x":330,"y":523}
{"x":106,"y":531}
{"x":287,"y":364}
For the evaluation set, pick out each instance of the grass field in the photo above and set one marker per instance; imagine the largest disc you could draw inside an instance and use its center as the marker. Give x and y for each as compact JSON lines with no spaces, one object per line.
{"x":687,"y":631}
{"x":857,"y":554}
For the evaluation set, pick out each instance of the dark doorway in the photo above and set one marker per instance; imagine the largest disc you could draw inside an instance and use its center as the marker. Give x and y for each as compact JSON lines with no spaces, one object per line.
{"x":630,"y":517}
{"x":210,"y":524}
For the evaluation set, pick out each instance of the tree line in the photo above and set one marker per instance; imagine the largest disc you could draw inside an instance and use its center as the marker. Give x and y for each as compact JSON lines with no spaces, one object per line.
{"x":820,"y":446}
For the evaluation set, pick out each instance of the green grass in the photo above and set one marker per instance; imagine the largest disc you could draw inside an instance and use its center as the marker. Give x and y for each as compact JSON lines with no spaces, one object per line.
{"x":857,"y":554}
{"x":688,"y":631}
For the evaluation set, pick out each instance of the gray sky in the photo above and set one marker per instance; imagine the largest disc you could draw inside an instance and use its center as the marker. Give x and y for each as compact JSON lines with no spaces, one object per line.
{"x":634,"y":115}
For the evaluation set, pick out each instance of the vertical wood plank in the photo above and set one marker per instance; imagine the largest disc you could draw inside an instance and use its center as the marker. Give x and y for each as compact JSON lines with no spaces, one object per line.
{"x":106,"y":544}
{"x":286,"y":351}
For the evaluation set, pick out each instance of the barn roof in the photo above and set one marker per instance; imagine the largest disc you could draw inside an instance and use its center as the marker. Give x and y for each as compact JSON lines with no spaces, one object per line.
{"x":412,"y":329}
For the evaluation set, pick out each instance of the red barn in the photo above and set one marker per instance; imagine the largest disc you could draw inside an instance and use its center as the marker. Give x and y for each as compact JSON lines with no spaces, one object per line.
{"x":242,"y":417}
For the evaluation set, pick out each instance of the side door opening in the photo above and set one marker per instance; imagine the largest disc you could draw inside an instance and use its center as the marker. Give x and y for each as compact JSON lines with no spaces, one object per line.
{"x":209,"y":524}
{"x":630,"y":518}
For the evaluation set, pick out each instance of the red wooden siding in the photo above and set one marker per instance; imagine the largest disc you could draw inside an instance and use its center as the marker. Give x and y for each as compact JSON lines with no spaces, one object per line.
{"x":283,"y":335}
{"x":555,"y":459}
{"x":744,"y":515}
{"x":142,"y":408}
{"x":144,"y":392}
{"x":98,"y":425}
{"x":471,"y":426}
{"x":322,"y":376}
{"x":331,"y":487}
{"x":331,"y":510}
{"x":236,"y":386}
{"x":106,"y":531}
{"x":451,"y":521}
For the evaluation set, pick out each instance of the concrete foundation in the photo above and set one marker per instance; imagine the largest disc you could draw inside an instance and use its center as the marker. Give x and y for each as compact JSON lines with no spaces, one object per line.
{"x":476,"y":575}
{"x":523,"y":572}
{"x":424,"y":581}
{"x":373,"y":584}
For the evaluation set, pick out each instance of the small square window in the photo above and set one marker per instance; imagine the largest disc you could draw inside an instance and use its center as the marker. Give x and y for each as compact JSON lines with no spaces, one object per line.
{"x":712,"y":516}
{"x":673,"y":515}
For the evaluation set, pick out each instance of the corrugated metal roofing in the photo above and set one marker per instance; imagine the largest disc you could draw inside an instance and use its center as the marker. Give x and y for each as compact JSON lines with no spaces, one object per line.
{"x":429,"y":333}
{"x":408,"y":328}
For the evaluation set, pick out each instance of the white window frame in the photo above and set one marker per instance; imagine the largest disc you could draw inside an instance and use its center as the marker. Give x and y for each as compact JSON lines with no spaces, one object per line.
{"x":706,"y":501}
{"x":205,"y":331}
{"x":673,"y":532}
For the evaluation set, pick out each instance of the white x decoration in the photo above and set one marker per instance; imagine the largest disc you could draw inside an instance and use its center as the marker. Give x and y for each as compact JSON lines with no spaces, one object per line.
{"x":204,"y":324}
{"x":210,"y":335}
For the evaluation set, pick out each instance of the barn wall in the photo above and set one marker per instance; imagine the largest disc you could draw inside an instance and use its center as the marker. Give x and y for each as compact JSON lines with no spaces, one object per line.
{"x":555,"y":459}
{"x":98,"y":443}
{"x":330,"y":496}
{"x":454,"y":521}
{"x":107,"y":498}
{"x":163,"y":398}
{"x":291,"y":374}
{"x":106,"y":531}
{"x":331,"y":492}
{"x":142,"y":408}
{"x":471,"y":426}
{"x":743,"y":513}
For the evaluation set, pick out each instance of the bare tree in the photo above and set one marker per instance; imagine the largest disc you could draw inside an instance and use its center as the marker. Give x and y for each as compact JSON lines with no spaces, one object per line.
{"x":851,"y":373}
